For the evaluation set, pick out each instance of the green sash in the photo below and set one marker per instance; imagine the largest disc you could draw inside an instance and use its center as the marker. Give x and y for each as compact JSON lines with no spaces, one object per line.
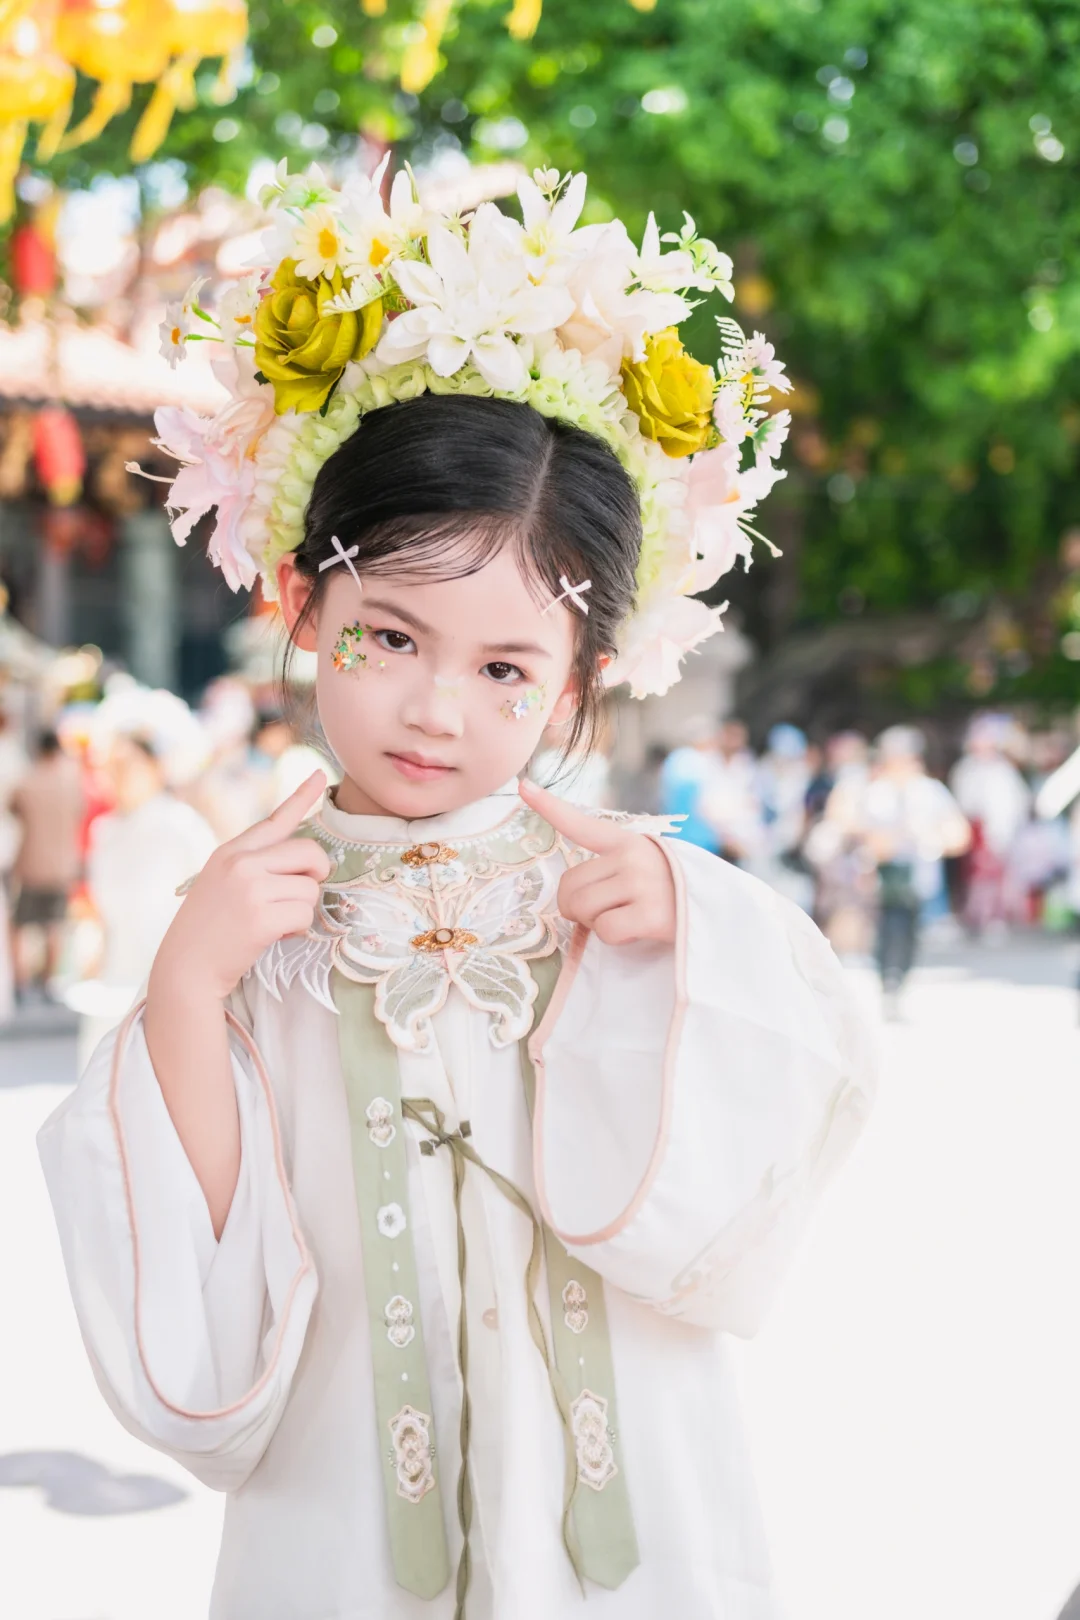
{"x":598,"y":1529}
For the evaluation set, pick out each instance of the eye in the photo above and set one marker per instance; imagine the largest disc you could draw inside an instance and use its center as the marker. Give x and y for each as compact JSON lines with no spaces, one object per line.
{"x":395,"y":641}
{"x":503,"y":674}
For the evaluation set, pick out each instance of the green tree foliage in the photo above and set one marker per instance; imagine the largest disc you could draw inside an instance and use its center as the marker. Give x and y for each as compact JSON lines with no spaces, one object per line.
{"x":896,"y":180}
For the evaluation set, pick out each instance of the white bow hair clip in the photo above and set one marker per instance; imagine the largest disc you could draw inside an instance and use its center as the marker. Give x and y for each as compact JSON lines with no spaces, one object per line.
{"x":574,"y":592}
{"x":342,"y":556}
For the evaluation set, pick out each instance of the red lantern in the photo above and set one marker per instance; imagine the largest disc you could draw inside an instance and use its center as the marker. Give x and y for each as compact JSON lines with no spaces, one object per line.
{"x":33,"y":261}
{"x":59,"y":455}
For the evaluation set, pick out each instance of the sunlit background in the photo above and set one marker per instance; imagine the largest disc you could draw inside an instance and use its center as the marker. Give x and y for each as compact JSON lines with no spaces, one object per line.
{"x":897,"y":187}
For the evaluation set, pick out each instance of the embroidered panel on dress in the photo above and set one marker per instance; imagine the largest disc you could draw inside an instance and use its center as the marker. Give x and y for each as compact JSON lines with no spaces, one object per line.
{"x":412,"y":1453}
{"x":414,"y":920}
{"x":593,"y":1438}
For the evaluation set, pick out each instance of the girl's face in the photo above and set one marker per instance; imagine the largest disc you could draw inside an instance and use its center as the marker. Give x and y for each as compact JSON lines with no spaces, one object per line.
{"x":432,"y":694}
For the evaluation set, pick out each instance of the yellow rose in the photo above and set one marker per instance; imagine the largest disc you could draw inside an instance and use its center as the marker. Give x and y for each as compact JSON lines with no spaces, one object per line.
{"x":671,"y":394}
{"x":300,"y":348}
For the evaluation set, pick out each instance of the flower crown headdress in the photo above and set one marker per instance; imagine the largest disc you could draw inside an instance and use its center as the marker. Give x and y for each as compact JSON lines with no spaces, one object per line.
{"x":363,"y":304}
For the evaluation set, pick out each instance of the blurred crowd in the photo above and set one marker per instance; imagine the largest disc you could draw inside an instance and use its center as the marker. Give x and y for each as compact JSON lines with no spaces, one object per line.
{"x":876,"y":847}
{"x":104,"y":817}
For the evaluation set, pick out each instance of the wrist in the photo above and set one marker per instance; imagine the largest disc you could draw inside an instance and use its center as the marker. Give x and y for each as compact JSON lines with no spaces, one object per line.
{"x":184,"y":985}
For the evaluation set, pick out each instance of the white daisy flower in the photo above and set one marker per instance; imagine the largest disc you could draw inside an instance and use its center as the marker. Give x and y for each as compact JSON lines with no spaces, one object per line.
{"x":319,"y":243}
{"x":173,"y":332}
{"x":236,"y":308}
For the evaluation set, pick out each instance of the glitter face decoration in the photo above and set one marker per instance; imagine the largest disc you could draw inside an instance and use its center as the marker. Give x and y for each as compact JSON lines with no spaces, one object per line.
{"x":346,"y":654}
{"x":518,"y":708}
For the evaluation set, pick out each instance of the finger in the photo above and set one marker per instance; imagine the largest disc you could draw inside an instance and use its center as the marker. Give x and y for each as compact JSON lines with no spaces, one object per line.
{"x":591,"y":902}
{"x":291,"y":919}
{"x":577,"y":825}
{"x":578,"y":878}
{"x":288,"y":815}
{"x":297,"y":855}
{"x":626,"y":925}
{"x":302,"y":889}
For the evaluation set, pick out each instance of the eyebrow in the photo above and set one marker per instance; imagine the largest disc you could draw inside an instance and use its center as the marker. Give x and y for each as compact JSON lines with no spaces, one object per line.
{"x":520,"y":649}
{"x":373,"y":605}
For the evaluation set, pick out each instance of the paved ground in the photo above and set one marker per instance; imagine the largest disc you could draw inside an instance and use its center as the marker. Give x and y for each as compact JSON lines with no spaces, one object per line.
{"x":914,"y":1401}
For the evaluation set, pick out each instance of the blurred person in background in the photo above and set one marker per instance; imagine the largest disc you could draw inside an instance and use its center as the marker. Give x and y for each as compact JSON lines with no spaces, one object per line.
{"x":728,"y":801}
{"x":784,"y":775}
{"x":996,"y":800}
{"x":145,"y":743}
{"x":686,"y":773}
{"x":846,"y":878}
{"x":48,"y":805}
{"x":908,"y":822}
{"x":140,"y":852}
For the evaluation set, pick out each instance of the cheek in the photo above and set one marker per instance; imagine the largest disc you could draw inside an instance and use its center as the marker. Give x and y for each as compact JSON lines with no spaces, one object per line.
{"x":525,"y":703}
{"x":353,"y":689}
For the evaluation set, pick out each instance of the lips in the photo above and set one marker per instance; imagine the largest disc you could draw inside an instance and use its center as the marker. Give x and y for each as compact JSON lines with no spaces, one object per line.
{"x":419,"y":768}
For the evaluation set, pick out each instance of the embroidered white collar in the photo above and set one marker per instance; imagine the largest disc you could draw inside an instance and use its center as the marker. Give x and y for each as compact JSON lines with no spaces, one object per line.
{"x":478,"y":817}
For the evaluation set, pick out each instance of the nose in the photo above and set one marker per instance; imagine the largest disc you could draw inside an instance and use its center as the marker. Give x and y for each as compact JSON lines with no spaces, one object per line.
{"x":435,"y":709}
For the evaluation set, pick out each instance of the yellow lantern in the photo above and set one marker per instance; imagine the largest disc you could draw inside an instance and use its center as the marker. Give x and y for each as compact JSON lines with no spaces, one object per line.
{"x":193,"y":29}
{"x":36,"y":86}
{"x":119,"y":46}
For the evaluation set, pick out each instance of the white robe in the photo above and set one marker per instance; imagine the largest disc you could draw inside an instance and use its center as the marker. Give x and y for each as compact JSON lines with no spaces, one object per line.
{"x":690,"y":1102}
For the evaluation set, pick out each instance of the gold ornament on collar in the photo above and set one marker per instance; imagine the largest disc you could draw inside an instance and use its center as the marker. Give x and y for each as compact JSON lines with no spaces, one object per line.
{"x":444,"y":939}
{"x":429,"y":855}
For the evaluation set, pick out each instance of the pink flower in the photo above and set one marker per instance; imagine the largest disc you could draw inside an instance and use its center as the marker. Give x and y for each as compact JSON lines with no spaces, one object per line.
{"x":657,"y":640}
{"x":219,"y":469}
{"x":212,"y":476}
{"x":720,"y":499}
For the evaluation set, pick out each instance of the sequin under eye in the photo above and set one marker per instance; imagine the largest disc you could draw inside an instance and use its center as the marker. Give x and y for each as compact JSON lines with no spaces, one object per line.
{"x":346,"y":654}
{"x":518,"y":708}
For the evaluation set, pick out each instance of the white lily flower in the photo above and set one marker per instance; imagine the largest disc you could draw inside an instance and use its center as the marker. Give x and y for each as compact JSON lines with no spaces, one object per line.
{"x":470,"y":301}
{"x":305,"y":190}
{"x":713,"y":270}
{"x":612,"y":317}
{"x":548,"y":232}
{"x":663,"y":272}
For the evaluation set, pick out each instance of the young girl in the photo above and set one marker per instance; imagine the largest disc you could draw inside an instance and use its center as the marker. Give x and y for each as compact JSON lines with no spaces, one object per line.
{"x":458,"y":1126}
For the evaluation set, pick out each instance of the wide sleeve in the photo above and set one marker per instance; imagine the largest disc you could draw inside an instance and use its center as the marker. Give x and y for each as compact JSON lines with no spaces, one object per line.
{"x":193,"y":1341}
{"x":692,"y":1101}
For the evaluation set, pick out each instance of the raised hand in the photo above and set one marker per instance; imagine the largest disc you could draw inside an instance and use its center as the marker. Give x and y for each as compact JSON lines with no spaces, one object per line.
{"x":627,"y":893}
{"x":253,"y":890}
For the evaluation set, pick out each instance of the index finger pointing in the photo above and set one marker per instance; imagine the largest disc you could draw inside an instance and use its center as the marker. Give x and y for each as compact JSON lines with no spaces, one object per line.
{"x":587,"y":831}
{"x":283,"y":821}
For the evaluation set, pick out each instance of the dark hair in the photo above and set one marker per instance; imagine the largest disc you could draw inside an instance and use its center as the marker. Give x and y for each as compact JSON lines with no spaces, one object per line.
{"x":431,"y":488}
{"x":48,"y":744}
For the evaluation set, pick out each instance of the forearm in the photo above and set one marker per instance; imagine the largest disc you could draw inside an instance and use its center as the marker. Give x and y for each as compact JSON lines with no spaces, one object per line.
{"x":187,"y":1039}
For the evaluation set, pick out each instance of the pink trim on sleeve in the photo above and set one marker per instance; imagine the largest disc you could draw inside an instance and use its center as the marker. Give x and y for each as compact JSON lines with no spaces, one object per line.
{"x":306,"y":1261}
{"x":671,"y":1046}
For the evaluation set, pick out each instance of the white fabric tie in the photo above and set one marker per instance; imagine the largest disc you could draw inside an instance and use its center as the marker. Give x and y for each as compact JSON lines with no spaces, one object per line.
{"x":342,"y":556}
{"x":574,"y":592}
